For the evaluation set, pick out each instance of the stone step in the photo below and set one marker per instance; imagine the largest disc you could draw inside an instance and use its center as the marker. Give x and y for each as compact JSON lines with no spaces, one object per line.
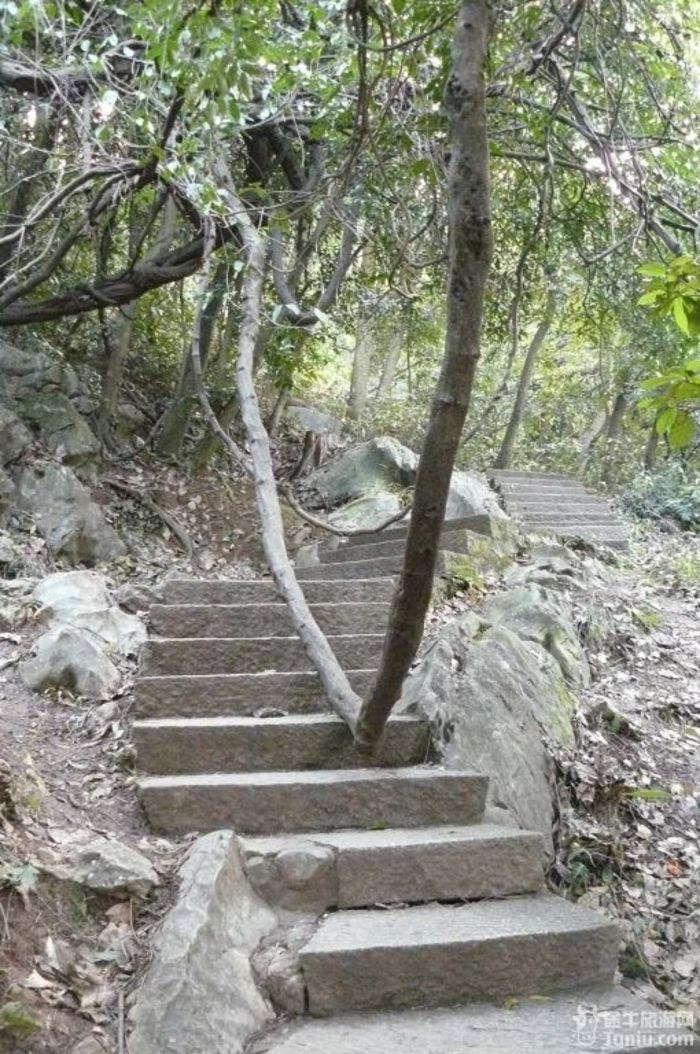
{"x":596,"y":1019}
{"x":246,"y":744}
{"x":215,"y":591}
{"x":271,"y":802}
{"x":514,"y":474}
{"x":477,"y":524}
{"x":551,"y":492}
{"x":575,"y":501}
{"x":421,"y":864}
{"x":440,"y":954}
{"x":455,"y":541}
{"x":253,"y":654}
{"x":380,"y":567}
{"x":603,"y":534}
{"x":562,"y":515}
{"x":262,"y":620}
{"x":222,"y":695}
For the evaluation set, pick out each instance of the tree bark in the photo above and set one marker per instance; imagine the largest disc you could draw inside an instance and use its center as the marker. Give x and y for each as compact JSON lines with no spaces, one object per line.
{"x":469,"y":261}
{"x":651,"y":447}
{"x":505,"y":454}
{"x":359,"y":385}
{"x":386,"y":381}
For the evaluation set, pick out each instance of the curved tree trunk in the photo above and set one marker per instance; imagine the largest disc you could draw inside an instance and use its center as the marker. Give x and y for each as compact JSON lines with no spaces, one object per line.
{"x":386,"y":381}
{"x":505,"y":454}
{"x":469,"y":262}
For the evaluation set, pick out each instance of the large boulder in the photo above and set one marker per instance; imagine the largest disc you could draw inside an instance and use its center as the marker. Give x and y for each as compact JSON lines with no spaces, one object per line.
{"x":544,"y":617}
{"x":470,"y":496}
{"x":66,"y":515}
{"x":495,"y":701}
{"x":368,"y":512}
{"x":14,"y":436}
{"x":378,"y":465}
{"x":199,"y":995}
{"x":80,"y":599}
{"x":7,"y":495}
{"x":72,"y":659}
{"x":311,"y":419}
{"x":65,"y":432}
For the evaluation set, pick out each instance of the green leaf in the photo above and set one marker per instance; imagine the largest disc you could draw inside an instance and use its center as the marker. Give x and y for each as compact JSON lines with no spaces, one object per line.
{"x":649,"y":297}
{"x":653,"y":270}
{"x":666,"y":419}
{"x":682,"y":431}
{"x":679,"y":314}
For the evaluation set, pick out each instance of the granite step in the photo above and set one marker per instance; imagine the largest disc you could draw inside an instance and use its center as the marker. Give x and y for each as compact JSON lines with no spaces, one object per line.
{"x":457,"y":541}
{"x":603,"y":534}
{"x":379,"y":567}
{"x":440,"y":954}
{"x":416,"y":865}
{"x":253,"y":654}
{"x":248,"y":744}
{"x":264,"y":591}
{"x":222,"y":695}
{"x":562,"y":515}
{"x":262,"y":620}
{"x":595,"y":1019}
{"x":272,"y":802}
{"x":523,"y":475}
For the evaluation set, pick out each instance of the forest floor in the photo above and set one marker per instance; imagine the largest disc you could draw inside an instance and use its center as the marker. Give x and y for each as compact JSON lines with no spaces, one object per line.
{"x":628,"y":832}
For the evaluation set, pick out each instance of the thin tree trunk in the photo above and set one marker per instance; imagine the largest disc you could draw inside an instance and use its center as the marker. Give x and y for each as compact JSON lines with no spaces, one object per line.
{"x":505,"y":454}
{"x":277,"y":411}
{"x":469,"y":261}
{"x":336,"y":686}
{"x":176,"y":419}
{"x":651,"y":447}
{"x":386,"y":381}
{"x":359,"y":385}
{"x":613,"y":433}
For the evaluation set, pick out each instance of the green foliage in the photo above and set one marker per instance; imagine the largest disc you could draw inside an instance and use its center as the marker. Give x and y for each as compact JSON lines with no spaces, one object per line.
{"x":17,"y":1020}
{"x":671,"y":493}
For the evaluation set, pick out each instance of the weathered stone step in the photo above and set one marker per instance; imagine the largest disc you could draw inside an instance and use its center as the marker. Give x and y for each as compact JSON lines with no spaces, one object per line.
{"x":551,"y":491}
{"x":604,"y":534}
{"x":574,"y":501}
{"x":455,"y":541}
{"x":262,"y":620}
{"x":477,"y":524}
{"x":270,"y":802}
{"x":253,"y":654}
{"x":596,"y":1019}
{"x":247,"y":744}
{"x":514,"y":474}
{"x":221,"y":695}
{"x":380,"y":567}
{"x":561,"y":515}
{"x":438,"y":954}
{"x":214,"y":591}
{"x":414,"y":865}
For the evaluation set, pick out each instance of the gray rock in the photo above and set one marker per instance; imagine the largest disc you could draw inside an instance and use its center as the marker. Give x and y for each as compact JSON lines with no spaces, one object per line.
{"x":14,"y":362}
{"x":66,"y":515}
{"x":495,"y":701}
{"x":368,"y":512}
{"x":14,"y":436}
{"x":90,"y":1045}
{"x":110,"y":868}
{"x":7,"y":495}
{"x":471,"y":496}
{"x":80,"y":599}
{"x":200,"y":995}
{"x":279,"y":973}
{"x":545,"y":618}
{"x":70,"y":658}
{"x":300,"y":877}
{"x":311,"y":419}
{"x":376,"y":465}
{"x":64,"y":431}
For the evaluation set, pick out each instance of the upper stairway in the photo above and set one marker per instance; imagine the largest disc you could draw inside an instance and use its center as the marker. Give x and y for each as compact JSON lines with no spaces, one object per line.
{"x":557,"y":504}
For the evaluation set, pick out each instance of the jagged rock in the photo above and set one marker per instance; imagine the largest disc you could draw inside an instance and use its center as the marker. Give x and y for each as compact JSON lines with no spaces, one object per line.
{"x":374,"y":466}
{"x":138,"y":596}
{"x":545,"y":618}
{"x":90,"y":1045}
{"x":109,"y":868}
{"x":15,"y":362}
{"x":80,"y":599}
{"x":14,"y":436}
{"x":368,"y":512}
{"x":64,"y":431}
{"x":200,"y":995}
{"x":470,"y":496}
{"x":68,"y":518}
{"x":129,"y":419}
{"x":279,"y":971}
{"x":495,"y":701}
{"x":72,"y":659}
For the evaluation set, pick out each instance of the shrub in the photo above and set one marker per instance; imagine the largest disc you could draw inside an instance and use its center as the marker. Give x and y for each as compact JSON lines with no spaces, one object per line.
{"x":671,"y":494}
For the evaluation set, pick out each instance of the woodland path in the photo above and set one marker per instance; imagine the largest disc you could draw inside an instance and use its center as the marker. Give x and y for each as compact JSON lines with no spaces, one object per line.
{"x":436,"y":933}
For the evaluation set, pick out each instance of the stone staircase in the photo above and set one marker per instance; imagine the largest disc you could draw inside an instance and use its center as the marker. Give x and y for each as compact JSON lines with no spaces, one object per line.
{"x":437,"y":936}
{"x":558,"y":504}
